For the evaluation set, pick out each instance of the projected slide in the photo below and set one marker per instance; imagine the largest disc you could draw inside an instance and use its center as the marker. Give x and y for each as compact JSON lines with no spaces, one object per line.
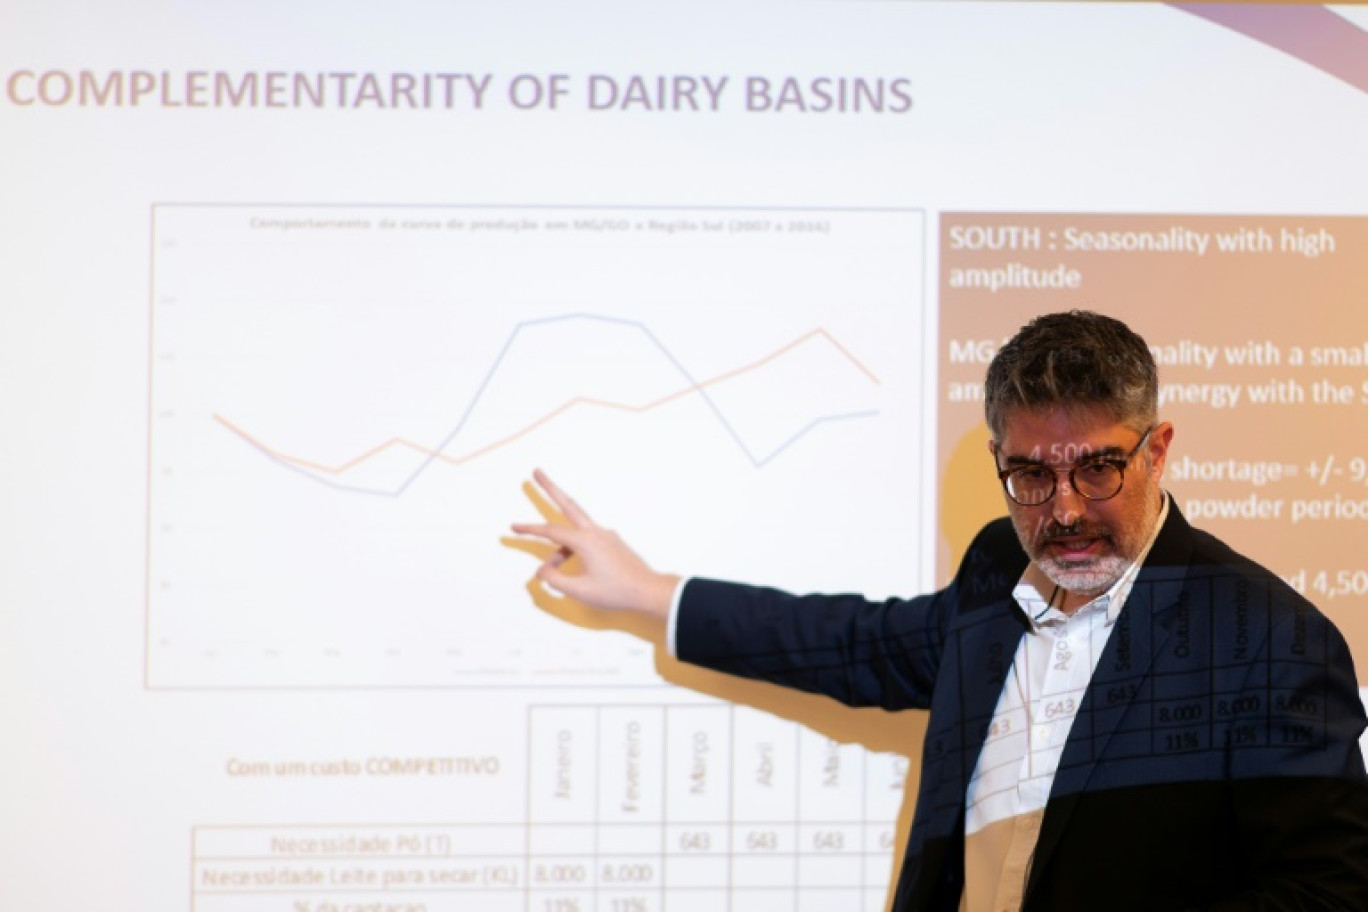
{"x":345,"y":399}
{"x":295,"y":297}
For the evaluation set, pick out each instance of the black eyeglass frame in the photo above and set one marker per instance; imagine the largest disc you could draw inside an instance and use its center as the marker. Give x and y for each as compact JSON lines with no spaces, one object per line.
{"x":1117,"y":462}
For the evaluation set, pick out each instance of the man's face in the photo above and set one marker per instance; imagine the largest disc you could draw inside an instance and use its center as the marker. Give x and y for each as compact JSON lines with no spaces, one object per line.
{"x":1084,"y":545}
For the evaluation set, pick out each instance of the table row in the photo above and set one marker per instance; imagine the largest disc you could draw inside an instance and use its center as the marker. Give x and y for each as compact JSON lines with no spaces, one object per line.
{"x":619,"y":764}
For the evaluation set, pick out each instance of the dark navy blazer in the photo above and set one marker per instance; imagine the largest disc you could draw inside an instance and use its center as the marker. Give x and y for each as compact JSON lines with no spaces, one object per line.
{"x":1214,"y":762}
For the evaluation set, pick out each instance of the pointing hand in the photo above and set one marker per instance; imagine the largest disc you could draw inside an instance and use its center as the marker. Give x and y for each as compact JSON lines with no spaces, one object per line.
{"x":610,"y":575}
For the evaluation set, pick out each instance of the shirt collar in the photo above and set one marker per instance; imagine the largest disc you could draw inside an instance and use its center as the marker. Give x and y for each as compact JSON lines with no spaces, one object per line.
{"x":1034,"y":591}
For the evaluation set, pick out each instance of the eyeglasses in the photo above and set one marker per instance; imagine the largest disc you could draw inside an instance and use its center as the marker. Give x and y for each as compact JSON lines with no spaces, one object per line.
{"x":1095,"y":479}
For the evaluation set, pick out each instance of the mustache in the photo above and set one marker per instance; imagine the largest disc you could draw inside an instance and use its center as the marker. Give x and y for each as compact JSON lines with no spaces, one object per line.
{"x":1053,"y":531}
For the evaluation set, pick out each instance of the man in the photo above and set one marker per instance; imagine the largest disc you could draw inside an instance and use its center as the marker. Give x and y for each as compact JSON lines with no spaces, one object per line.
{"x":1124,"y":713}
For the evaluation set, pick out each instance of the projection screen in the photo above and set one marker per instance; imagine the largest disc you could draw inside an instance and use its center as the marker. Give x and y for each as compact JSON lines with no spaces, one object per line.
{"x":294,"y":297}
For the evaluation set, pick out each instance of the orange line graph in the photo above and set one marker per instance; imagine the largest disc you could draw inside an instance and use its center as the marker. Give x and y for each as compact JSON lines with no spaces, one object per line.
{"x":577,"y":401}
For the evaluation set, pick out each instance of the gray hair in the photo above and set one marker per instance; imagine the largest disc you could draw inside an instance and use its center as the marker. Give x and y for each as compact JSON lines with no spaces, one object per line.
{"x":1073,"y":360}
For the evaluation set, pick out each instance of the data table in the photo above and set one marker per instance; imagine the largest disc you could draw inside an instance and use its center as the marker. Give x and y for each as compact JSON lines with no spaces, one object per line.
{"x":630,"y":808}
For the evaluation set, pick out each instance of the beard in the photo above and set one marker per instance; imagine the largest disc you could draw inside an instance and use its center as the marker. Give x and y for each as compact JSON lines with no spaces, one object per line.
{"x":1084,"y":558}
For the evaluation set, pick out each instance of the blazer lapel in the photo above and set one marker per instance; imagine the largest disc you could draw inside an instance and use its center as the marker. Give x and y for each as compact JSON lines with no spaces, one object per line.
{"x":986,"y":648}
{"x":982,"y":640}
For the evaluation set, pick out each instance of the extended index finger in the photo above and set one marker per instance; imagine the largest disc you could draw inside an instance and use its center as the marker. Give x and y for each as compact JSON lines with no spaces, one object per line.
{"x":565,"y":536}
{"x":564,"y":502}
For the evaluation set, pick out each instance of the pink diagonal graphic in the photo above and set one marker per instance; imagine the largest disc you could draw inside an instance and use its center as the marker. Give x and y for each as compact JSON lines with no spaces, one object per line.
{"x":1312,"y":34}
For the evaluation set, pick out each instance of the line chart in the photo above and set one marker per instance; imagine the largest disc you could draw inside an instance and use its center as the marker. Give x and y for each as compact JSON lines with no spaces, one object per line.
{"x":439,"y":453}
{"x":345,"y":403}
